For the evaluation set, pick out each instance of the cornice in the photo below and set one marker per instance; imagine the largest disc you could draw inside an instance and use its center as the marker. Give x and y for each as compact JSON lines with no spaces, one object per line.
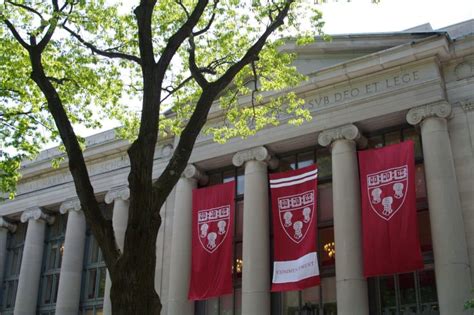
{"x":119,"y":192}
{"x":36,"y":213}
{"x":418,"y":114}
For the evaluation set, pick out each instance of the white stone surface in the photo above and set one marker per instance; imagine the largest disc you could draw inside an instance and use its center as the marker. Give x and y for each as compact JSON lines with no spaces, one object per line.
{"x":69,"y":288}
{"x":453,"y":277}
{"x":30,"y":270}
{"x":351,"y":285}
{"x":256,"y":233}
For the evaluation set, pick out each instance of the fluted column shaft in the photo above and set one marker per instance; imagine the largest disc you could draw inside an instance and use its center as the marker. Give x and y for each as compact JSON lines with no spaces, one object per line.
{"x":5,"y":226}
{"x":30,"y":270}
{"x":256,"y":232}
{"x":351,"y":285}
{"x":180,"y":266}
{"x":119,"y":196}
{"x":69,"y":289}
{"x":452,"y":268}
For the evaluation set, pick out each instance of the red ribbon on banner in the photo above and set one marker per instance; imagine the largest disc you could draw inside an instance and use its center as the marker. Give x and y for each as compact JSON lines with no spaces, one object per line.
{"x":390,"y":232}
{"x":212,"y":236}
{"x":295,"y":262}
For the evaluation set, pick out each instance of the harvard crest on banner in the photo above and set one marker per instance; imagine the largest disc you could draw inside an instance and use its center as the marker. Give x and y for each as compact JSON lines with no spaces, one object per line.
{"x":294,"y":194}
{"x":389,"y":225}
{"x":212,"y":236}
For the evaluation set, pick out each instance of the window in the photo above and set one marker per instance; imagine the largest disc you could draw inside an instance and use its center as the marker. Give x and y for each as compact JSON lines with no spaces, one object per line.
{"x":93,"y":278}
{"x":414,"y":292}
{"x":229,"y":304}
{"x":52,"y":258}
{"x":319,"y":299}
{"x":15,"y":244}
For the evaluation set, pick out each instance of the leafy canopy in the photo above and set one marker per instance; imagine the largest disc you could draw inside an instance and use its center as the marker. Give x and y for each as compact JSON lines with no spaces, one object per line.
{"x":91,"y":61}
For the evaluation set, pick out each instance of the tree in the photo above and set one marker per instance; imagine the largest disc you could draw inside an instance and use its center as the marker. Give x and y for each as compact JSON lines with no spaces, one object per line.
{"x":69,"y":63}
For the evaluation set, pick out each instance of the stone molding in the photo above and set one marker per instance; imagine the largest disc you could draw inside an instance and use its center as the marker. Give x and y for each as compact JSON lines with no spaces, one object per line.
{"x":193,"y":172}
{"x":467,"y":105}
{"x":72,"y":204}
{"x":254,"y":154}
{"x":119,"y":192}
{"x":418,"y":114}
{"x":36,"y":213}
{"x":346,"y":132}
{"x":7,"y":225}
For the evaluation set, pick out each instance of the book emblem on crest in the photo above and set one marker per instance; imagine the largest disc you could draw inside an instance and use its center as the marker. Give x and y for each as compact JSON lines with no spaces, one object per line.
{"x":387,"y":190}
{"x":213,"y":226}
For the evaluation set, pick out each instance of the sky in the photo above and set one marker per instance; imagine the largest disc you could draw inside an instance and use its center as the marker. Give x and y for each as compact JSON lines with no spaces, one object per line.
{"x":362,"y":16}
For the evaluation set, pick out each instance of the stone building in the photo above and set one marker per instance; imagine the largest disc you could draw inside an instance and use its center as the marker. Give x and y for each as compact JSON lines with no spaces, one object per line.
{"x":363,"y":90}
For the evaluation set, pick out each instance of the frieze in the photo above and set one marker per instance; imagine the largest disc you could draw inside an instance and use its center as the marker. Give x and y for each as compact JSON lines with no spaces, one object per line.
{"x":464,"y":70}
{"x":72,"y":204}
{"x":7,"y":225}
{"x":440,"y":110}
{"x":95,"y":169}
{"x":347,"y":132}
{"x":119,"y":192}
{"x":353,"y":91}
{"x":36,"y":213}
{"x":332,"y":97}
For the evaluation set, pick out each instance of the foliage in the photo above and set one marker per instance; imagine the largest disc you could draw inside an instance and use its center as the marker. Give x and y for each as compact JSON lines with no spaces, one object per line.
{"x":93,"y":87}
{"x":469,"y":304}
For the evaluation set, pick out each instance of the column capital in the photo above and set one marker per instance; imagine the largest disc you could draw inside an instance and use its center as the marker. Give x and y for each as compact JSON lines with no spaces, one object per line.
{"x":119,"y":192}
{"x":417,"y":114}
{"x":346,"y":132}
{"x":261,"y":154}
{"x":35,"y":213}
{"x":193,"y":172}
{"x":467,"y":105}
{"x":72,"y":204}
{"x":7,"y":225}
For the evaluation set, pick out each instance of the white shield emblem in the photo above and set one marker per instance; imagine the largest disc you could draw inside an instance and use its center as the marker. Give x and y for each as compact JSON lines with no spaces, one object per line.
{"x":387,"y":190}
{"x":213,"y":225}
{"x":296,"y":213}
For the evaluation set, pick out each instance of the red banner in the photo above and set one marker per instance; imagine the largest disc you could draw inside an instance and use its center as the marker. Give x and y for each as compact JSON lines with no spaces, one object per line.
{"x":390,"y":231}
{"x":295,"y":265}
{"x":213,"y":232}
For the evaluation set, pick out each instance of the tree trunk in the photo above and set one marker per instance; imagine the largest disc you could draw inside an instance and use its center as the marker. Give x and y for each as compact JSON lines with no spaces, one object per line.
{"x":133,"y":274}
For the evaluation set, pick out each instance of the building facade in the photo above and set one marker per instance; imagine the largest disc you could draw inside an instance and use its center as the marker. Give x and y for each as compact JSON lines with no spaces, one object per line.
{"x":363,"y":91}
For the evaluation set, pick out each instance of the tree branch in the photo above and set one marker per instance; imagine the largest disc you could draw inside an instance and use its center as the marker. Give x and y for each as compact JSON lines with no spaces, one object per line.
{"x":180,"y":3}
{"x":211,"y":20}
{"x":172,"y":90}
{"x":27,"y":8}
{"x":181,"y":154}
{"x":16,"y":34}
{"x":254,"y":50}
{"x":195,"y":71}
{"x":106,"y":52}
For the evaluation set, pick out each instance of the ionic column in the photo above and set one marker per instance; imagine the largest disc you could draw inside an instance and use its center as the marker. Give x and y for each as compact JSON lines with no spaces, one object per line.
{"x":180,"y":269}
{"x":119,"y":196}
{"x":30,"y":270}
{"x":452,"y":269}
{"x":351,"y":285}
{"x":5,"y":226}
{"x":256,"y":233}
{"x":69,"y":290}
